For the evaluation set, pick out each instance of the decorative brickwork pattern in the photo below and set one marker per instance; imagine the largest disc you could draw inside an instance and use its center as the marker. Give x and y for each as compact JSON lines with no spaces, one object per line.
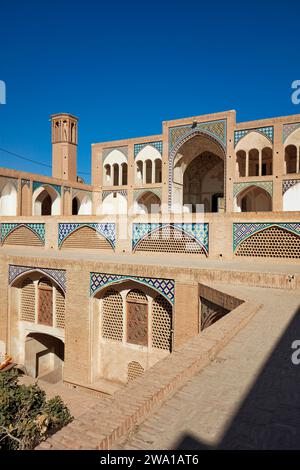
{"x":243,"y":231}
{"x":22,"y":235}
{"x":112,"y":316}
{"x":135,"y":370}
{"x":107,"y":230}
{"x":60,"y":308}
{"x":272,"y":242}
{"x":266,"y":185}
{"x":45,"y":302}
{"x":36,"y":229}
{"x":267,"y":131}
{"x":288,"y":129}
{"x":157,"y":145}
{"x":137,"y":317}
{"x":170,"y":238}
{"x":161,"y":323}
{"x":86,"y":238}
{"x":165,"y":287}
{"x":27,"y":310}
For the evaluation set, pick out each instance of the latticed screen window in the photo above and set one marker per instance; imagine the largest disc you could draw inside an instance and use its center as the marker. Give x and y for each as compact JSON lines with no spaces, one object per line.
{"x":135,"y":370}
{"x":169,"y":240}
{"x":45,"y":302}
{"x":112,"y":315}
{"x":137,"y":318}
{"x":60,"y":308}
{"x":161,"y":323}
{"x":27,"y":312}
{"x":273,"y":242}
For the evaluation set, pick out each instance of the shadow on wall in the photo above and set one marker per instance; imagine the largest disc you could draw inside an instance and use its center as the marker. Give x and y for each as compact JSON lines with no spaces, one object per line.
{"x":269,"y":417}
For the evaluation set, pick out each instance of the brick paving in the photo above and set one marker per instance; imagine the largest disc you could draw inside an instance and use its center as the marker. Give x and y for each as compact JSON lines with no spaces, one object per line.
{"x":247,"y":398}
{"x":113,"y":417}
{"x":243,"y":393}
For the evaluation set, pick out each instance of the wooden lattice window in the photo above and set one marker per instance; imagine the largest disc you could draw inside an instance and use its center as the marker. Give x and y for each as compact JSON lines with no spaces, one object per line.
{"x":161,"y":323}
{"x":45,"y":302}
{"x":112,"y":315}
{"x":27,"y":311}
{"x":137,"y":318}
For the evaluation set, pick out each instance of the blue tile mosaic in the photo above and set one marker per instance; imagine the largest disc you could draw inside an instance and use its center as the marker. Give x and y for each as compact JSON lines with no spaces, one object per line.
{"x":178,"y":135}
{"x":37,"y":228}
{"x":57,"y":275}
{"x":107,"y":230}
{"x":198,"y":231}
{"x":267,"y":131}
{"x":241,"y":231}
{"x":38,"y":184}
{"x":166,"y":287}
{"x":157,"y":145}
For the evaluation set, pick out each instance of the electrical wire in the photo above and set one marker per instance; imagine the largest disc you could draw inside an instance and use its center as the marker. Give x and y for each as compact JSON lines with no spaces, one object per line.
{"x":33,"y":161}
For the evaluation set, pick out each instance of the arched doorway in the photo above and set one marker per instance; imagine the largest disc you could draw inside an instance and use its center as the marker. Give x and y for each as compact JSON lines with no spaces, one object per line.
{"x":46,"y":201}
{"x":148,"y":203}
{"x":75,"y":206}
{"x":199,"y":174}
{"x":46,"y":204}
{"x":44,"y":357}
{"x":253,"y":199}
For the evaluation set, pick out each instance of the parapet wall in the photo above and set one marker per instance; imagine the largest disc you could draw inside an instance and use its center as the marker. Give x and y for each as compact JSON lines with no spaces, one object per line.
{"x":259,"y":236}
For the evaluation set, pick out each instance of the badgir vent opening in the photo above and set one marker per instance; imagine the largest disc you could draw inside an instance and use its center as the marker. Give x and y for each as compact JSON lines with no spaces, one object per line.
{"x":171,"y":282}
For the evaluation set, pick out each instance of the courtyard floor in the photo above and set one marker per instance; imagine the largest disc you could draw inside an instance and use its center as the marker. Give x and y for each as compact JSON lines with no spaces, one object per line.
{"x":247,"y":398}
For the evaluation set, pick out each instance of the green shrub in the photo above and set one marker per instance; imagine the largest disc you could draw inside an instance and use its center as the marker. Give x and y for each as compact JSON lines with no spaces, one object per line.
{"x":26,"y":417}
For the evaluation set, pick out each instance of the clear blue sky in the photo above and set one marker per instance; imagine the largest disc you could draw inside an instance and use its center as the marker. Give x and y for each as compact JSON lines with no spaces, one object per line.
{"x":123,"y":67}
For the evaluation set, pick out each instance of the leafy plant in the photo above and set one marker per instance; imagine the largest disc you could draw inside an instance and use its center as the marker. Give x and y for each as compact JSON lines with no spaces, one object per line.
{"x":26,"y":417}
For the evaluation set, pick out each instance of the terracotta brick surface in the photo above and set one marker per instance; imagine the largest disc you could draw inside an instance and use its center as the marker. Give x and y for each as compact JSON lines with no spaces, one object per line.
{"x":132,"y":404}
